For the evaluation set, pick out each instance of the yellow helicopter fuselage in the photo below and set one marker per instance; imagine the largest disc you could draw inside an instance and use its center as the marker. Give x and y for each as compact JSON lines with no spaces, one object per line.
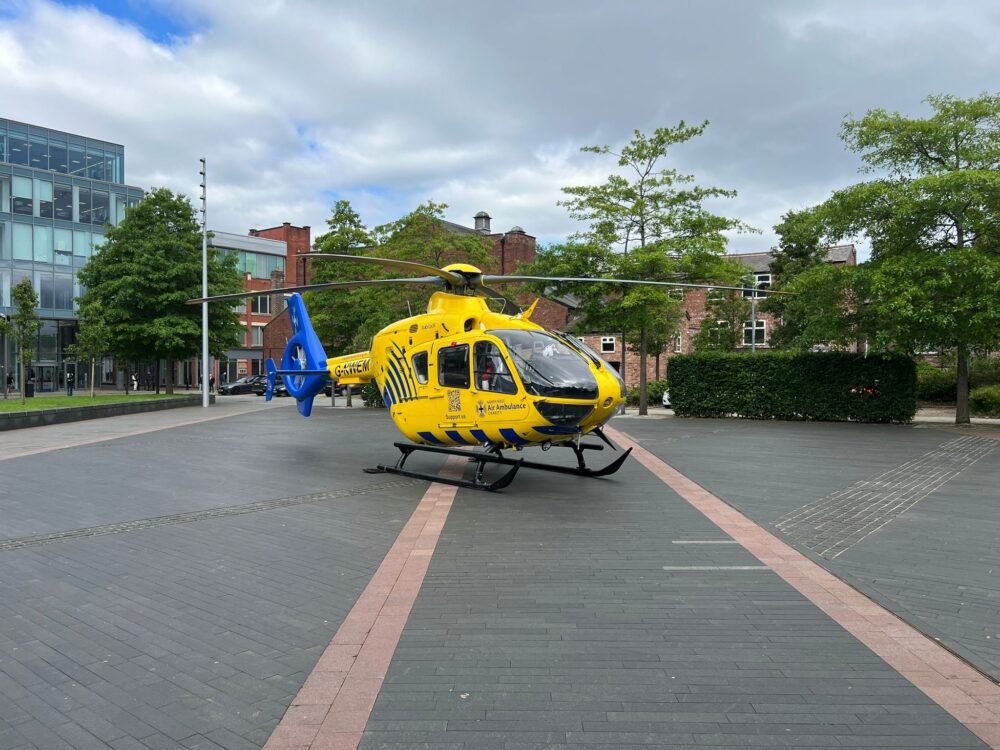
{"x":464,"y":375}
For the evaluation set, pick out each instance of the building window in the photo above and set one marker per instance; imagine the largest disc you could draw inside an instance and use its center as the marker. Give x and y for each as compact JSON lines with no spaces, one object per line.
{"x":20,"y":202}
{"x":63,"y":202}
{"x":715,"y":295}
{"x":81,"y":245}
{"x":43,"y":245}
{"x":63,"y":246}
{"x":22,"y":241}
{"x":607,"y":344}
{"x":17,"y":151}
{"x":43,"y":199}
{"x":748,"y":332}
{"x":761,"y":281}
{"x":258,"y":336}
{"x":261,"y":305}
{"x":453,"y":366}
{"x":678,"y":344}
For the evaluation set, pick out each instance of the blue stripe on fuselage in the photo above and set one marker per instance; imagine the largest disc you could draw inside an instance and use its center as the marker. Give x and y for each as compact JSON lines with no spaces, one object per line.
{"x":511,"y":436}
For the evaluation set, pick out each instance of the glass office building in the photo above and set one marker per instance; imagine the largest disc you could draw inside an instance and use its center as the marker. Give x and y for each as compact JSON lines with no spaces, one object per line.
{"x":58,"y":192}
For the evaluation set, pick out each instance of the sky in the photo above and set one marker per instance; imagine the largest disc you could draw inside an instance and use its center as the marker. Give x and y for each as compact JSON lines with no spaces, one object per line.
{"x":482,"y":106}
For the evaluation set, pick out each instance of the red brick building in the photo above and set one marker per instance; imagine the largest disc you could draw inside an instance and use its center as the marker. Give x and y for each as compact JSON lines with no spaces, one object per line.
{"x":514,"y":247}
{"x":755,"y":332}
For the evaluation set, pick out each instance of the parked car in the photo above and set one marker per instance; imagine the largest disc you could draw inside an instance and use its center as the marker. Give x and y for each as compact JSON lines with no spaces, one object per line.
{"x":244,"y":385}
{"x":666,"y":399}
{"x":279,"y":387}
{"x":341,"y":389}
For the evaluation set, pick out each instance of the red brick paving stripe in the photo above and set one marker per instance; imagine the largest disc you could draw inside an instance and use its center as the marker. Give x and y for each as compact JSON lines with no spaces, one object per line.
{"x":951,"y":683}
{"x":332,"y":707}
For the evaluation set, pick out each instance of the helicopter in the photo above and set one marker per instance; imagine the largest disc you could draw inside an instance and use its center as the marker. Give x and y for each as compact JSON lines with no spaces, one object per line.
{"x":461,"y":375}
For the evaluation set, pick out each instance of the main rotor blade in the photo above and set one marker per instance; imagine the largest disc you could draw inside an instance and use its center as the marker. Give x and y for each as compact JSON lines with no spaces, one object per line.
{"x":316,"y":287}
{"x":574,"y":280}
{"x":404,"y":265}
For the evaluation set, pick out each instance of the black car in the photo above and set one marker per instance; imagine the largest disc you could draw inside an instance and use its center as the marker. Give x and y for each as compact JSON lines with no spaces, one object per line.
{"x":341,"y":389}
{"x":279,"y":387}
{"x":244,"y":385}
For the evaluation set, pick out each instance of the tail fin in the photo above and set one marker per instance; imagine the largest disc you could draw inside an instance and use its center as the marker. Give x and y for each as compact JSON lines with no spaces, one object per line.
{"x":303,"y":366}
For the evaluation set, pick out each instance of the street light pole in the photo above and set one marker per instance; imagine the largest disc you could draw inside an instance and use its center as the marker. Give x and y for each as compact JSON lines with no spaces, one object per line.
{"x":204,"y":287}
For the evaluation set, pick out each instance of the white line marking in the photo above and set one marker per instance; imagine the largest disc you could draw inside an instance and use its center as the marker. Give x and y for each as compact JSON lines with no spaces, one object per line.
{"x":703,"y":541}
{"x":716,"y":567}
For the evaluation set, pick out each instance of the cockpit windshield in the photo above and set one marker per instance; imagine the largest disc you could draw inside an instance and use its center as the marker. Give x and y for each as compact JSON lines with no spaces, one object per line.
{"x":547,"y":366}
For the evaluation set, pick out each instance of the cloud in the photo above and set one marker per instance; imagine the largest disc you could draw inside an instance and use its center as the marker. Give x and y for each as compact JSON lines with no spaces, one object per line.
{"x":483,"y":107}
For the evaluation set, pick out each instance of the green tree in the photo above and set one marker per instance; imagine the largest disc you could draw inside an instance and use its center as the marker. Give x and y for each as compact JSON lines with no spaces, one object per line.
{"x":801,"y":246}
{"x":656,"y":212}
{"x":832,"y":306}
{"x":140,"y":280}
{"x":933,"y":220}
{"x":349,"y":319}
{"x":23,"y":326}
{"x":92,"y":341}
{"x":722,"y":328}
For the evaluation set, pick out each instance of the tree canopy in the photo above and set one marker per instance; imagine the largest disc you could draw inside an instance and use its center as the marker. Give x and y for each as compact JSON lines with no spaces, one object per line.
{"x":645,"y":221}
{"x":932,"y":217}
{"x":347,"y":319}
{"x":139,"y":281}
{"x":23,"y":326}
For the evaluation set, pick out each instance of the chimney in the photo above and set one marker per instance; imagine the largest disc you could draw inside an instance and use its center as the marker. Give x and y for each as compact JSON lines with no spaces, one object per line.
{"x":482,"y":222}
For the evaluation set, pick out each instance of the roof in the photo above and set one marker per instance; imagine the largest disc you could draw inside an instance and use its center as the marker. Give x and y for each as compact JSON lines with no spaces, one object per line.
{"x":243,"y":242}
{"x":761,"y":262}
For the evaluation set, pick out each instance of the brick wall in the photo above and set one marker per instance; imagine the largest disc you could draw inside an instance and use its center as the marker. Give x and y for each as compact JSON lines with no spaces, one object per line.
{"x":297,"y":240}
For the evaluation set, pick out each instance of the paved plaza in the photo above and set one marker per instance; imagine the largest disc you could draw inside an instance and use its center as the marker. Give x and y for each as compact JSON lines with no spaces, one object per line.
{"x":221,"y":578}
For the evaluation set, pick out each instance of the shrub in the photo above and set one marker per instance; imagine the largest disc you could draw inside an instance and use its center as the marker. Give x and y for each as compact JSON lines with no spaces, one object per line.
{"x":371,"y":395}
{"x":985,"y":401}
{"x":655,"y":389}
{"x":935,"y":383}
{"x":827,"y":386}
{"x":984,"y":371}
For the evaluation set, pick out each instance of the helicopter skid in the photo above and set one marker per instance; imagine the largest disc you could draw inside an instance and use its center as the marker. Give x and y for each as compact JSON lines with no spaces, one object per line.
{"x":493,"y":456}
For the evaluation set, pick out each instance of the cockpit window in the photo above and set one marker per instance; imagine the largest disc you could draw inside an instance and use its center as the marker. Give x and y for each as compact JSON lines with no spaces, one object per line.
{"x":490,"y":369}
{"x":420,"y":367}
{"x":547,"y":366}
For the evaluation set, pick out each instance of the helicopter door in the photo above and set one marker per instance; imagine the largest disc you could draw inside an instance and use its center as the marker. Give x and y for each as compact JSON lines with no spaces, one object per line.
{"x":453,"y":378}
{"x":494,"y":390}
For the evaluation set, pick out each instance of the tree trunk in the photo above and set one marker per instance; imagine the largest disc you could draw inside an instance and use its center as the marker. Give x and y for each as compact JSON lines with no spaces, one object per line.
{"x":658,"y":365}
{"x":347,"y":390}
{"x":643,"y":396}
{"x":24,"y":386}
{"x":962,"y":400}
{"x":157,"y":369}
{"x":93,"y":364}
{"x":169,"y":390}
{"x":128,"y":380}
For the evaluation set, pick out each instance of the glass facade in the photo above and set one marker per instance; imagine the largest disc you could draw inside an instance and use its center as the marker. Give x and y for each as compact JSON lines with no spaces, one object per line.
{"x":58,"y":191}
{"x":258,"y":265}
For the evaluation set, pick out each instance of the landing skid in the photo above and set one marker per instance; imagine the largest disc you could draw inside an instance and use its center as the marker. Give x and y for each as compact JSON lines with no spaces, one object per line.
{"x":493,"y":456}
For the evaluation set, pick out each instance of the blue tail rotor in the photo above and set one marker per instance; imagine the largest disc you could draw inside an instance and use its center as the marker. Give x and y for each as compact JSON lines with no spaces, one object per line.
{"x":303,"y":365}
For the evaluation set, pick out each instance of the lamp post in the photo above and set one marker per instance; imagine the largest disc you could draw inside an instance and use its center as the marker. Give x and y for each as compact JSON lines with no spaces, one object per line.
{"x":204,"y":288}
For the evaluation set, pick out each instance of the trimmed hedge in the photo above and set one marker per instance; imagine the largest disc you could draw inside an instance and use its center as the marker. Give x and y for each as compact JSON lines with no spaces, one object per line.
{"x":824,"y":386}
{"x":985,"y":401}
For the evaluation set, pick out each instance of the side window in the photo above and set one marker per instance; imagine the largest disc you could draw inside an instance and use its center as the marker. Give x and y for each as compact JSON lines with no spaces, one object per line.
{"x":491,"y":371}
{"x":420,"y":367}
{"x":453,"y":366}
